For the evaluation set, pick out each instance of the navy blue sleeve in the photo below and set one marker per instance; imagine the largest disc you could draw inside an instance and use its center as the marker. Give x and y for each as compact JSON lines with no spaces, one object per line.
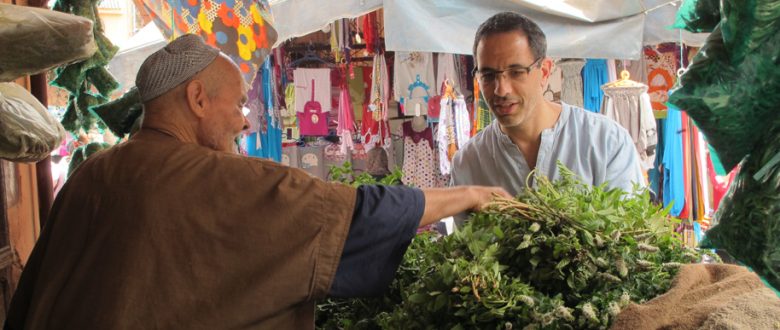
{"x":383,"y":225}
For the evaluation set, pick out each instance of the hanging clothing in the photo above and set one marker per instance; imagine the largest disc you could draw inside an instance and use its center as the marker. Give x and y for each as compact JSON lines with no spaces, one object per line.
{"x":370,"y":33}
{"x":482,"y":115}
{"x":630,"y":107}
{"x":346,"y":124}
{"x":686,"y":160}
{"x":594,"y":75}
{"x":637,"y":69}
{"x":554,"y":85}
{"x":290,"y":130}
{"x":674,"y":180}
{"x":661,"y":74}
{"x":306,"y":90}
{"x":267,"y":141}
{"x":453,"y":132}
{"x":571,"y":89}
{"x":612,"y":72}
{"x":418,"y":157}
{"x":358,"y":85}
{"x":313,"y":120}
{"x":413,"y":81}
{"x":375,"y":131}
{"x":593,"y":146}
{"x":445,"y":69}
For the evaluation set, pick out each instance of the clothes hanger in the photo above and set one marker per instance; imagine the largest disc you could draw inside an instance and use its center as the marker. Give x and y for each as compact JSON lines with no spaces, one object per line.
{"x":624,"y":81}
{"x":309,"y":56}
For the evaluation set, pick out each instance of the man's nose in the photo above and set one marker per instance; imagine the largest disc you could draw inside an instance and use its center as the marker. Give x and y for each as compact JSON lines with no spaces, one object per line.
{"x":501,"y":85}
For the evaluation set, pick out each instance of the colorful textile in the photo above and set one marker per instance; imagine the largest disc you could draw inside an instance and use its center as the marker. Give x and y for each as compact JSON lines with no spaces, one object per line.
{"x":242,"y":29}
{"x":419,"y":162}
{"x":594,"y":75}
{"x":346,"y":122}
{"x":266,"y":141}
{"x":375,"y":131}
{"x":661,"y":75}
{"x":413,"y":81}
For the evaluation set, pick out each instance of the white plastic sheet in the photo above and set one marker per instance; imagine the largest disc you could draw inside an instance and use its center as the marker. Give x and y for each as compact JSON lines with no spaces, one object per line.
{"x":449,"y":27}
{"x":575,"y":28}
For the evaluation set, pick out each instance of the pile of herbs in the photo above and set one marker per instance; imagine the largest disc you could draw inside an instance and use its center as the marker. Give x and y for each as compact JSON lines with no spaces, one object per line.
{"x":562,"y":256}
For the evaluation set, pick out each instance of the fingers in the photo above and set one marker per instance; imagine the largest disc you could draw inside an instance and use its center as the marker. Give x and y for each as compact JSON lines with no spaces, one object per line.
{"x":484,"y":195}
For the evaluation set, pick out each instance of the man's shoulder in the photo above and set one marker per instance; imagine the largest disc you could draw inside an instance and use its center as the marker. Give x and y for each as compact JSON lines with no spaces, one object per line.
{"x":593,"y":121}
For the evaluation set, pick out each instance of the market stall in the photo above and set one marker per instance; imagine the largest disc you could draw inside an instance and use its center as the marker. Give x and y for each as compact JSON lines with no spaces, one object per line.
{"x":370,"y":91}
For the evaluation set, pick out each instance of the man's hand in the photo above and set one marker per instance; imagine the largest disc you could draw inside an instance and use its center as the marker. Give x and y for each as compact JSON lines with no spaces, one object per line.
{"x":484,"y":195}
{"x":444,"y":202}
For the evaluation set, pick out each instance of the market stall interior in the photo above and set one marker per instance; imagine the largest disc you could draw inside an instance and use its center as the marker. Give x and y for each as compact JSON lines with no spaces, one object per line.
{"x":385,"y":92}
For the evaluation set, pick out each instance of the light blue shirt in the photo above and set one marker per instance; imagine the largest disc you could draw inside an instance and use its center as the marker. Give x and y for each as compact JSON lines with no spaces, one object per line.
{"x":591,"y":145}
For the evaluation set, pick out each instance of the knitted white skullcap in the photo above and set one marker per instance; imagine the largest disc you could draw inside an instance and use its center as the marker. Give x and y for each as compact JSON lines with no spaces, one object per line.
{"x":168,"y":67}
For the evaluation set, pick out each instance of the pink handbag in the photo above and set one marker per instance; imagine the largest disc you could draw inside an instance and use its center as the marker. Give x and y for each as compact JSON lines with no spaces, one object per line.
{"x":313,"y":120}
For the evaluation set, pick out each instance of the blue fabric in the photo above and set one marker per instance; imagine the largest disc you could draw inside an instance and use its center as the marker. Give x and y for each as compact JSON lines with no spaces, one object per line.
{"x":594,"y":74}
{"x":271,"y":140}
{"x":383,"y":225}
{"x":674,"y":181}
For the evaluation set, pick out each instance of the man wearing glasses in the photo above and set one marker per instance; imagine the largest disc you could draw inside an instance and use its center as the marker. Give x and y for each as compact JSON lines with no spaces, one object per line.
{"x":531,"y":133}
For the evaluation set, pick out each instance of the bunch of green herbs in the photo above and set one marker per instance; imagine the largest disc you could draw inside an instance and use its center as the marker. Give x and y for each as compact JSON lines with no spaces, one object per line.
{"x":562,"y":256}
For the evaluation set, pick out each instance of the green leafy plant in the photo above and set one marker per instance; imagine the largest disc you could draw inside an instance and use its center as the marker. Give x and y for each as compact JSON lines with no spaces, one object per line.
{"x":562,"y":256}
{"x":346,"y":174}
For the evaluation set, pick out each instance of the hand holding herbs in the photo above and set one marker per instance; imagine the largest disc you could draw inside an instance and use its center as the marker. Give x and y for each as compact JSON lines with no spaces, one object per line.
{"x":563,"y":256}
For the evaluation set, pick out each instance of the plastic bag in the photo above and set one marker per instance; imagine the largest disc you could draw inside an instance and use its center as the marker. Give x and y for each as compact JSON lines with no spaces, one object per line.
{"x":748,"y":219}
{"x":28,"y":133}
{"x":732,"y":102}
{"x":121,"y":114}
{"x":698,"y":15}
{"x":34,"y":40}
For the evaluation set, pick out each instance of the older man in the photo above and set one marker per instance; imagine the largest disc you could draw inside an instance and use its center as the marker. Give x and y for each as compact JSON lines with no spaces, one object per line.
{"x":171,"y":229}
{"x":531,"y":133}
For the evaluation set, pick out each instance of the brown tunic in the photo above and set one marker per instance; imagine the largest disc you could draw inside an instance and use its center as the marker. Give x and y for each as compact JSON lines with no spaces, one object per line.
{"x":156,"y":233}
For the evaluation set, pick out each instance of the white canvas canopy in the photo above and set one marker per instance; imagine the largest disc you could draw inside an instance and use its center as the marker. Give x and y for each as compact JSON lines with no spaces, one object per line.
{"x":575,"y":28}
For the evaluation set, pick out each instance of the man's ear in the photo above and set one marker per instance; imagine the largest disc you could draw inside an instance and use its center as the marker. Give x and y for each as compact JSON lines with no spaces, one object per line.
{"x":197,"y":97}
{"x":546,"y":67}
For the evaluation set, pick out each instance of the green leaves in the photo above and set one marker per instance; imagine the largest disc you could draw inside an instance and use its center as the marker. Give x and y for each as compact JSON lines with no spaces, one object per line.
{"x":544,"y":261}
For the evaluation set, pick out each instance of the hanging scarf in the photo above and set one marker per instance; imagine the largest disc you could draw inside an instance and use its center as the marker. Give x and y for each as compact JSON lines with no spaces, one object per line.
{"x":346,"y":124}
{"x":375,"y":130}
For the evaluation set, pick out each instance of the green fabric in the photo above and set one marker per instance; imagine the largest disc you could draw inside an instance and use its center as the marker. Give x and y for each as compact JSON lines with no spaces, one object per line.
{"x":698,"y":15}
{"x":731,"y":90}
{"x":357,"y":91}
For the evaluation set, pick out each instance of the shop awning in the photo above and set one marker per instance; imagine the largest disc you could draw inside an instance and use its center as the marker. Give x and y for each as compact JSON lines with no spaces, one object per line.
{"x":575,"y":28}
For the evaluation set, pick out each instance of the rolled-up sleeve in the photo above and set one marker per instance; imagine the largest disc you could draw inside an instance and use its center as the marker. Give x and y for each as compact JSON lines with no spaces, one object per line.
{"x":383,"y":225}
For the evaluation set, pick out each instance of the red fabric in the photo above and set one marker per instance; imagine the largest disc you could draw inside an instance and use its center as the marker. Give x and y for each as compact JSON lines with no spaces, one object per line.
{"x":434,"y":106}
{"x":719,"y":189}
{"x":369,"y":32}
{"x":686,"y":148}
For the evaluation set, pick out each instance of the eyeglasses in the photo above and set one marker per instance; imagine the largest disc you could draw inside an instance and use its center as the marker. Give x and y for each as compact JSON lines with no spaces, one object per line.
{"x":514,"y":73}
